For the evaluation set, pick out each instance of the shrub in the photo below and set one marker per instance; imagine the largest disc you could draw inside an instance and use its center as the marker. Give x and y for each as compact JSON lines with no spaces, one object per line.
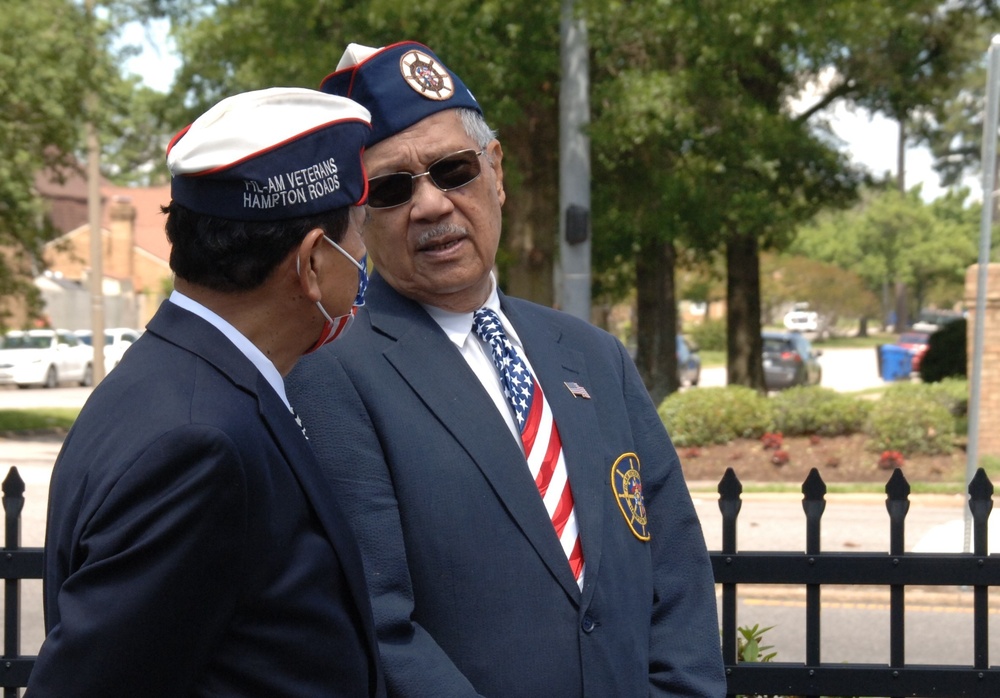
{"x":950,"y":393}
{"x":807,"y":410}
{"x":715,"y":415}
{"x":946,"y":353}
{"x":709,"y":335}
{"x":911,"y":419}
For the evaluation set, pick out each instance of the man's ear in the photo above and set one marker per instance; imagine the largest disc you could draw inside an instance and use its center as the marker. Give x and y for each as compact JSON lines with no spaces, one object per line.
{"x":494,"y":158}
{"x":306,"y":263}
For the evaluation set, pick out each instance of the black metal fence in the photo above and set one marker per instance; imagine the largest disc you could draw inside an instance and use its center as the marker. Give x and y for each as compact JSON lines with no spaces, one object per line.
{"x":18,"y":563}
{"x":894,"y":569}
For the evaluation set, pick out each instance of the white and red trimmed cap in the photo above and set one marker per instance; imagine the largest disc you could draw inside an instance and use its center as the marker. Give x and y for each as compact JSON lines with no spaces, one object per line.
{"x":399,"y":84}
{"x":272,"y":154}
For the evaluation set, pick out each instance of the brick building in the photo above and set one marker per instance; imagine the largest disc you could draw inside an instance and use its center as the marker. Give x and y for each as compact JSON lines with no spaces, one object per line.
{"x":135,"y":254}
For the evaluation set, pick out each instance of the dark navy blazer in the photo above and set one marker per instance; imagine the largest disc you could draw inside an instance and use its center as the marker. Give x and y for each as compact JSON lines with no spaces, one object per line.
{"x":472,"y":593}
{"x":193,"y":547}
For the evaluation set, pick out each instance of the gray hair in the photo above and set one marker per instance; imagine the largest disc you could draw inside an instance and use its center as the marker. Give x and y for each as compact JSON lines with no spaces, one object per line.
{"x":477,"y":128}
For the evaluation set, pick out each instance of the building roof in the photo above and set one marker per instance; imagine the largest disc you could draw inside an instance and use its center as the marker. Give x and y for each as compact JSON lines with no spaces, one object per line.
{"x":149,"y":220}
{"x":68,"y":208}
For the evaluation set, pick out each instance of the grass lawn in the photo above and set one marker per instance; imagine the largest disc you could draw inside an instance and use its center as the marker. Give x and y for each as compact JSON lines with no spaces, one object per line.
{"x":38,"y":419}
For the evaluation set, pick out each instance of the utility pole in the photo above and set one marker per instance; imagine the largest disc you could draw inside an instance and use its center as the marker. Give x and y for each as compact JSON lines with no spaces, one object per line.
{"x":94,"y":216}
{"x":573,"y":280}
{"x":991,"y":117}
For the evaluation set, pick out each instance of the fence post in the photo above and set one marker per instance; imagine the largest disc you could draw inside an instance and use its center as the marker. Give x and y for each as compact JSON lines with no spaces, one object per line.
{"x":980,"y":505}
{"x":730,"y":490}
{"x":813,"y":504}
{"x":897,"y":503}
{"x":13,"y":504}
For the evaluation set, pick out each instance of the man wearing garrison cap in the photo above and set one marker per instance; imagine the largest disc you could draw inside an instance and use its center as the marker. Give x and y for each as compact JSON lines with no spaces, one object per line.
{"x":522,"y":514}
{"x":193,"y":546}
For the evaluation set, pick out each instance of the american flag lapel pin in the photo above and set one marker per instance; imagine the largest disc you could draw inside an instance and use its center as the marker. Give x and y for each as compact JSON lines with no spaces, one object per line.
{"x":577,"y":390}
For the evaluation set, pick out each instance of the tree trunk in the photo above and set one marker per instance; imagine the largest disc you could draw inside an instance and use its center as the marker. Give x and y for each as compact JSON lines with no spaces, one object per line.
{"x":744,"y":362}
{"x":656,"y":322}
{"x":902,"y":307}
{"x":531,"y":212}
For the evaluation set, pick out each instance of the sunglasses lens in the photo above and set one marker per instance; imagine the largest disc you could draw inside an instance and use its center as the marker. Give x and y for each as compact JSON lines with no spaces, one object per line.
{"x":448,"y":173}
{"x":455,"y":170}
{"x":390,"y":190}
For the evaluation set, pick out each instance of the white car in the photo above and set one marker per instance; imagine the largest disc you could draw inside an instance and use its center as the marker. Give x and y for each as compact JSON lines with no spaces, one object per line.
{"x":801,"y":319}
{"x":45,"y":358}
{"x":116,"y":341}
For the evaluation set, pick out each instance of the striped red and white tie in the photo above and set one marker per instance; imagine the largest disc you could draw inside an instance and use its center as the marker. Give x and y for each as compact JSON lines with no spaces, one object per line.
{"x":539,"y":434}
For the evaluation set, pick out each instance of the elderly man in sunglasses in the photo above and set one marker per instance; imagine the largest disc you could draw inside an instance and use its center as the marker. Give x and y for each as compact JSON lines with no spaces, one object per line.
{"x":522,"y":514}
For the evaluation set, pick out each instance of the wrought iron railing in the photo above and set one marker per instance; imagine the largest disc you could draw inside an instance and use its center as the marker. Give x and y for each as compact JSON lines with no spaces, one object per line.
{"x":894,"y":569}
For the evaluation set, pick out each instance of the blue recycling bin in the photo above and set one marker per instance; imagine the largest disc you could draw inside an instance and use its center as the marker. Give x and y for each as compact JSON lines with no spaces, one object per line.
{"x":896,"y":362}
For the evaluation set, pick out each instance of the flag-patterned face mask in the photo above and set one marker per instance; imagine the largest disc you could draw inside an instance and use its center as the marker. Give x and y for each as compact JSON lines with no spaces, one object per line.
{"x":335,"y":327}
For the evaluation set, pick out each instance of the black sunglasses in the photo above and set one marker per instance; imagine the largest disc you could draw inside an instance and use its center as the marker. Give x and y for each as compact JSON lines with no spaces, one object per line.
{"x":450,"y":172}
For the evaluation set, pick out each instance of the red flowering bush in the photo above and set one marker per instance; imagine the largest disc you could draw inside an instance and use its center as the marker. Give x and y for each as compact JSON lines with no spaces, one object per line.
{"x":771,"y":440}
{"x":780,"y":457}
{"x":890,"y":460}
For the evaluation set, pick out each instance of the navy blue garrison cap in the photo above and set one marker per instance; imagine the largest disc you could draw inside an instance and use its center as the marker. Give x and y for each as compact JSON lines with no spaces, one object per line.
{"x":399,"y":84}
{"x":271,"y":155}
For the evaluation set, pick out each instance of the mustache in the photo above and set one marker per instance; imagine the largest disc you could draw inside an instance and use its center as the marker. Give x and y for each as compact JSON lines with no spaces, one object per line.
{"x":441,"y":230}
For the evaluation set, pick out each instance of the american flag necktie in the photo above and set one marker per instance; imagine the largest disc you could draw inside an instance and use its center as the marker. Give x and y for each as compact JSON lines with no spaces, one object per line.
{"x":542,"y":445}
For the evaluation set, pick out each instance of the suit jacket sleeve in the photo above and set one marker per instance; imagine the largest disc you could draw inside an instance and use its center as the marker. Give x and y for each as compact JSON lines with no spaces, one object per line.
{"x":685,"y":653}
{"x":168,"y":544}
{"x":340,"y":431}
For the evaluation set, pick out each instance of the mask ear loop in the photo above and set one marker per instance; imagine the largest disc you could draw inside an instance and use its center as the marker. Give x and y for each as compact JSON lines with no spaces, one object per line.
{"x":344,"y":252}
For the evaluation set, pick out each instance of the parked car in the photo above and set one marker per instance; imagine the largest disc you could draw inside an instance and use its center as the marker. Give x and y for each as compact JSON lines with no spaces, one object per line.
{"x":916,"y":343}
{"x":790,"y":360}
{"x":45,"y":358}
{"x":688,"y":362}
{"x":933,"y":320}
{"x":801,"y":319}
{"x":116,"y":341}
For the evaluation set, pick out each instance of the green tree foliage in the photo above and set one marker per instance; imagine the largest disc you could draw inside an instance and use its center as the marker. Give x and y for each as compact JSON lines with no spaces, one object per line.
{"x":696,"y":146}
{"x":507,"y":53}
{"x":892,"y":237}
{"x":830,"y":290}
{"x":703,"y":145}
{"x":57,"y":72}
{"x":45,"y":71}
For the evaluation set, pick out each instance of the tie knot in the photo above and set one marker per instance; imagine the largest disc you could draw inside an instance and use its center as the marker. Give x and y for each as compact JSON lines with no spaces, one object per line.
{"x":487,"y":325}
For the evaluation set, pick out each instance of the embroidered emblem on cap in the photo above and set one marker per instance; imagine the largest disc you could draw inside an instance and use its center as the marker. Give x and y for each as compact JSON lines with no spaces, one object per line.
{"x":426,"y":76}
{"x":627,"y":487}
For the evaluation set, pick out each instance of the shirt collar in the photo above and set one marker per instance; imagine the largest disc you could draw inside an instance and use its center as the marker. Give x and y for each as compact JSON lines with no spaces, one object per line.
{"x":458,"y":326}
{"x":246,"y":347}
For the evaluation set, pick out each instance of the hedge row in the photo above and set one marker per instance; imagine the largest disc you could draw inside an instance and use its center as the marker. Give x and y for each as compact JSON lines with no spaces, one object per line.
{"x":909,"y":417}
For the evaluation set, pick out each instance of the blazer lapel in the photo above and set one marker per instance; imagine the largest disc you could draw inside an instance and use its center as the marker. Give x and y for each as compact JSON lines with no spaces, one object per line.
{"x":433,"y":367}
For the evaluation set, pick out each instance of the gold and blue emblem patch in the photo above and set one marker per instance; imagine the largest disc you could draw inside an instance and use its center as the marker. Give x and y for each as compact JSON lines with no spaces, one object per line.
{"x":626,"y":484}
